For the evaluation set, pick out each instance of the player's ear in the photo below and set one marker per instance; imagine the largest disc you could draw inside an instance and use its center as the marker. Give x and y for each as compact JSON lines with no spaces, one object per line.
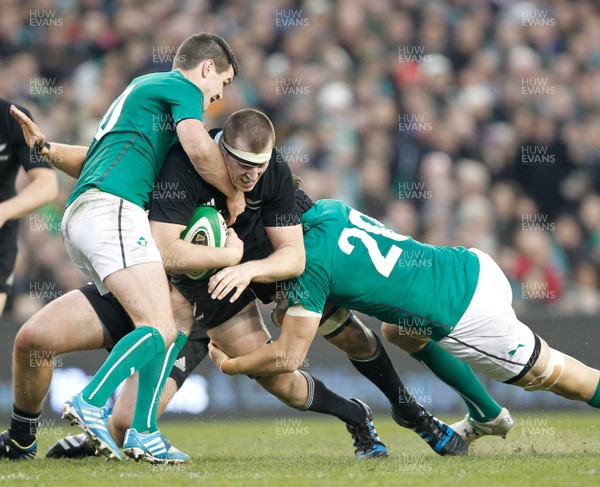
{"x":207,"y":65}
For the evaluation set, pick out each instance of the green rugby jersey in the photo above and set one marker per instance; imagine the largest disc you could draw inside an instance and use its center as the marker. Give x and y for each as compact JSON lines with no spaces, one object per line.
{"x":135,"y":135}
{"x":353,"y":261}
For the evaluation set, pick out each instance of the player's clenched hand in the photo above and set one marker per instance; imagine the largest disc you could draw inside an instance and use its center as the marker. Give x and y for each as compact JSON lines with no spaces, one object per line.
{"x":224,"y":281}
{"x":235,"y":206}
{"x":217,"y":355}
{"x":32,"y":133}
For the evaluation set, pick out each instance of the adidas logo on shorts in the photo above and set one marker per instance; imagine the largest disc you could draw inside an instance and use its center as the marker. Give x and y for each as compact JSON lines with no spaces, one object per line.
{"x":180,"y":364}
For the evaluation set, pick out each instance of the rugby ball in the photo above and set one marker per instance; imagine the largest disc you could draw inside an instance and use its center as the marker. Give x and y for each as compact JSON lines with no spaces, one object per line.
{"x":207,"y":227}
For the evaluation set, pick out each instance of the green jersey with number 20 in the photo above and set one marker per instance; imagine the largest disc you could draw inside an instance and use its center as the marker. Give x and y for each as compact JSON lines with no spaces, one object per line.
{"x":135,"y":135}
{"x":353,"y":261}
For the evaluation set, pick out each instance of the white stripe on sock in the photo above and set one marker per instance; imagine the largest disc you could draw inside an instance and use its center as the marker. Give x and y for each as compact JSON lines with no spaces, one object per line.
{"x":23,"y":419}
{"x":162,"y":374}
{"x":144,"y":338}
{"x":465,"y":398}
{"x":471,"y":403}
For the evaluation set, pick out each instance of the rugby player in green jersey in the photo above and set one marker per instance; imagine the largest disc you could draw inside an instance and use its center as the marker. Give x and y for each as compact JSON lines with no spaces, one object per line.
{"x":107,"y":233}
{"x":461,"y":299}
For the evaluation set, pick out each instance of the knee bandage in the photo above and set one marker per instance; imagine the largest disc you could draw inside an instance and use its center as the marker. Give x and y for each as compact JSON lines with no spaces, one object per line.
{"x":334,"y":322}
{"x":550,"y":376}
{"x":280,"y":306}
{"x":330,"y":323}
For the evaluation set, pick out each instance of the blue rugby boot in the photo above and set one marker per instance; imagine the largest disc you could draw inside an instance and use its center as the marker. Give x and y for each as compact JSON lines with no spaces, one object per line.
{"x":438,"y":435}
{"x":152,"y":447}
{"x":92,"y":420}
{"x":9,"y":448}
{"x":366,"y":442}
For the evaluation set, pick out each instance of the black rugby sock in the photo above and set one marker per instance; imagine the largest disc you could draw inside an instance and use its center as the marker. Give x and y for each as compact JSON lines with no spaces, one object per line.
{"x":322,"y":400}
{"x":378,"y":368}
{"x":23,"y":426}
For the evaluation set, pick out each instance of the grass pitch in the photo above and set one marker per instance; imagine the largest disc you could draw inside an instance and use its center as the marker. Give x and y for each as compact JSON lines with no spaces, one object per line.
{"x":544,"y":449}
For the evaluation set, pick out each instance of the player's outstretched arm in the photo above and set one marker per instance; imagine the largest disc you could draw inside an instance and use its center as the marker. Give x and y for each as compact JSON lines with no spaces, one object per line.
{"x":209,"y":163}
{"x":282,"y":356}
{"x":180,"y":256}
{"x":67,"y":158}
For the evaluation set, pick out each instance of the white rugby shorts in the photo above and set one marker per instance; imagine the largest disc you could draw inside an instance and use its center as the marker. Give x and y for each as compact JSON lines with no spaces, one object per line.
{"x":489,"y":336}
{"x":104,"y":233}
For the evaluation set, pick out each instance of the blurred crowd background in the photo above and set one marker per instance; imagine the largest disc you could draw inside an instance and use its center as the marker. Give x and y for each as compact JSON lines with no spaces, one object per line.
{"x":473,"y":123}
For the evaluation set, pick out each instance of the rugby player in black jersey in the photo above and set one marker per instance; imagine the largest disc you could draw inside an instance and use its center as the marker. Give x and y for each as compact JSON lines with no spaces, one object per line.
{"x":42,"y":188}
{"x":270,"y":230}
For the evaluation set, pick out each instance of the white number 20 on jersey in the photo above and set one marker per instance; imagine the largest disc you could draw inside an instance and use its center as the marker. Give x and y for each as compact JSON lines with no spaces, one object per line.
{"x":383,"y":264}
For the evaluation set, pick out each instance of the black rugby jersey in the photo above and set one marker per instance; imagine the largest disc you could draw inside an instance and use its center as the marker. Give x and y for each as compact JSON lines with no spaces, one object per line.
{"x":179,"y":189}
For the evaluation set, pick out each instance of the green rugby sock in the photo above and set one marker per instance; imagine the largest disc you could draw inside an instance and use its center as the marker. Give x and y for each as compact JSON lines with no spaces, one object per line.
{"x":151,"y":381}
{"x":459,"y":375}
{"x":130,"y":354}
{"x":595,"y":400}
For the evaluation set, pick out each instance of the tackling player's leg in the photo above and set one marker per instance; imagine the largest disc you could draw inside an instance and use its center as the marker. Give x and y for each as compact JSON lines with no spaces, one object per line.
{"x":563,"y":375}
{"x":491,"y":338}
{"x":143,"y":441}
{"x":131,"y":268}
{"x":543,"y":369}
{"x":485,"y":416}
{"x":114,"y":317}
{"x":493,"y":341}
{"x":367,"y":354}
{"x":193,"y":352}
